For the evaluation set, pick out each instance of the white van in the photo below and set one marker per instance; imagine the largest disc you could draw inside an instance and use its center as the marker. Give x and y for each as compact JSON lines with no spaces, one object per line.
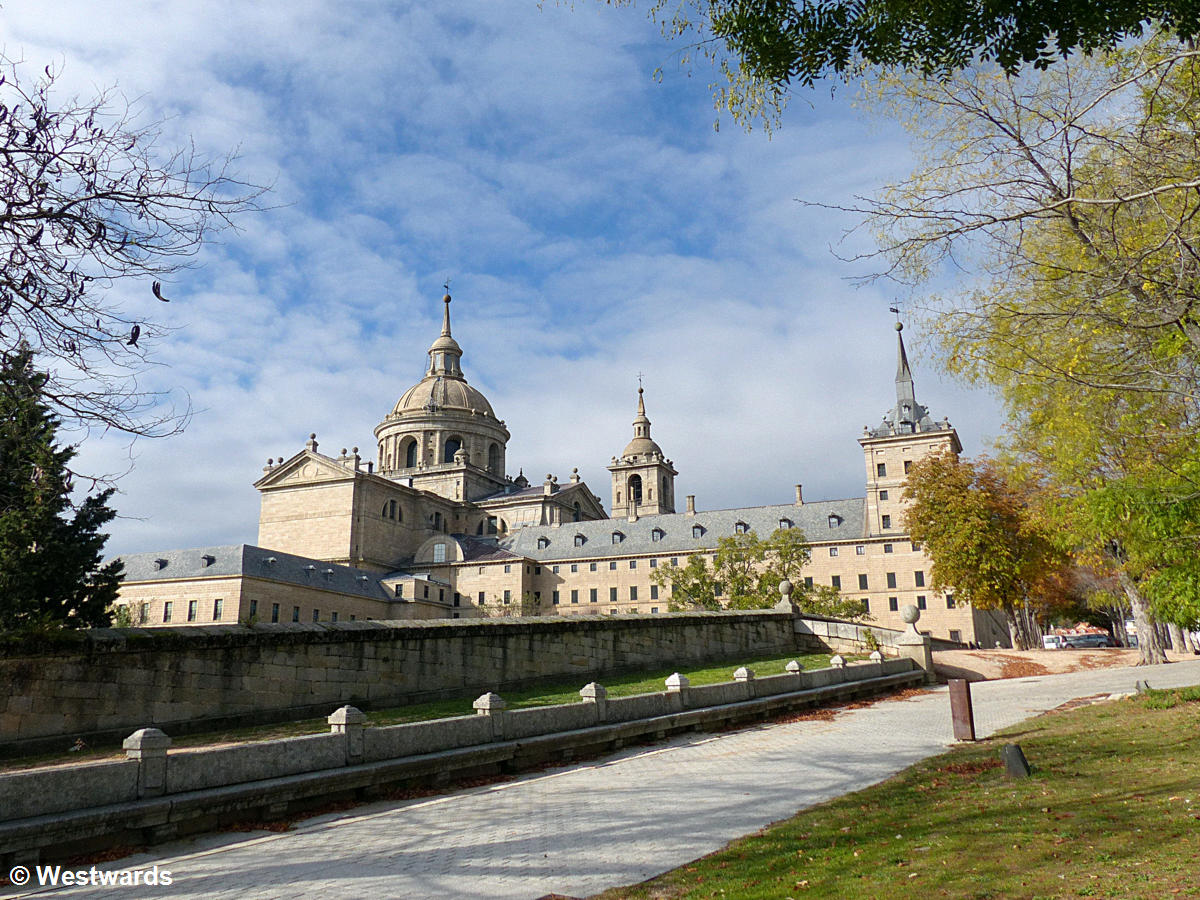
{"x":1053,"y":642}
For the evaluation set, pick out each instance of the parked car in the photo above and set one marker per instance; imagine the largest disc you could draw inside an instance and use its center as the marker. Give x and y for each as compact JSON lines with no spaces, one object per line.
{"x":1053,"y":642}
{"x":1088,"y":641}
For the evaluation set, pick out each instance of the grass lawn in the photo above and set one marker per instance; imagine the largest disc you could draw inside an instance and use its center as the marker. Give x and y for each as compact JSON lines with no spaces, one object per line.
{"x":1112,"y":810}
{"x":546,"y":695}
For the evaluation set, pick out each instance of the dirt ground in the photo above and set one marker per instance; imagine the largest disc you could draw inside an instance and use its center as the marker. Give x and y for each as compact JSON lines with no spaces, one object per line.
{"x":988,"y":665}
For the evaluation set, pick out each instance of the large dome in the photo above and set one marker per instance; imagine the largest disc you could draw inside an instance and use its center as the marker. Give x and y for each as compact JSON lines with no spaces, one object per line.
{"x":437,"y":392}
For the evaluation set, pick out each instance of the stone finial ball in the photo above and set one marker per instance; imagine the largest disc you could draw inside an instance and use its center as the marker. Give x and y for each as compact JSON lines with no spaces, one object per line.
{"x":910,"y":614}
{"x":899,"y":326}
{"x":785,"y":587}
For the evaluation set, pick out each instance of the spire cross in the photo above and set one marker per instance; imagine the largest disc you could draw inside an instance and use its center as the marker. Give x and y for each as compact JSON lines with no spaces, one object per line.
{"x":640,"y":376}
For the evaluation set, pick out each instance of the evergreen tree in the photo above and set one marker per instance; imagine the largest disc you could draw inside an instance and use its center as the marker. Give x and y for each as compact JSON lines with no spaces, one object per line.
{"x":50,"y":551}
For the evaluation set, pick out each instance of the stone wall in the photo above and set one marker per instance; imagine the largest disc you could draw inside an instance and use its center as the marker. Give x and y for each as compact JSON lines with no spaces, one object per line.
{"x":101,"y":684}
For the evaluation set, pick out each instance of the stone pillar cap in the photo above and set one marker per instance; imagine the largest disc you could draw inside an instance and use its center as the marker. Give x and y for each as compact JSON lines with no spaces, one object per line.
{"x":489,"y":701}
{"x":592,"y":690}
{"x":837,"y":662}
{"x":347,"y":715}
{"x":677,"y":681}
{"x":794,"y":667}
{"x":743,"y":674}
{"x":147,"y":739}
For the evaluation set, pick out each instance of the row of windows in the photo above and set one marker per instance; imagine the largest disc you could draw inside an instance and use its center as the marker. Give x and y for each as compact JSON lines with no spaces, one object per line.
{"x":881,"y":468}
{"x":861,"y":549}
{"x":698,"y":531}
{"x":218,"y":611}
{"x":863,"y":580}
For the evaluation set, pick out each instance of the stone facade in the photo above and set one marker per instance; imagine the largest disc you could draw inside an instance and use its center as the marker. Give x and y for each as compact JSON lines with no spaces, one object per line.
{"x":434,"y":528}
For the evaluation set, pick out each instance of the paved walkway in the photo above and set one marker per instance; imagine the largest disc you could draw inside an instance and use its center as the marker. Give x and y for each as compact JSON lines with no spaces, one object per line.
{"x":581,"y":829}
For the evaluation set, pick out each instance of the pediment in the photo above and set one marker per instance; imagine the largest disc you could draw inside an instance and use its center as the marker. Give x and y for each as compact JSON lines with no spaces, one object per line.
{"x":306,"y":467}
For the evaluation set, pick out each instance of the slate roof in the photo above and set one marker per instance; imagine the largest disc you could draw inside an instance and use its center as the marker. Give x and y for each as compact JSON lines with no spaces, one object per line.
{"x":677,"y":530}
{"x":251,"y":561}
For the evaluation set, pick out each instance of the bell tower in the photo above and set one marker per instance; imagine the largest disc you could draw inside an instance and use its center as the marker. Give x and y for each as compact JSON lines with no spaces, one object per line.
{"x":643,"y":480}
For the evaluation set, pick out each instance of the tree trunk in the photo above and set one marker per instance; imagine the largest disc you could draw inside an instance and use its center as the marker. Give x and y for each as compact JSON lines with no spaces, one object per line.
{"x":1149,"y":645}
{"x":1021,"y":632}
{"x":1176,"y":633}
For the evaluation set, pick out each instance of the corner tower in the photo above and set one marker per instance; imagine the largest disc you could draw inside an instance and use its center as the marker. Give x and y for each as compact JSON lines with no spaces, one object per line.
{"x":643,"y":480}
{"x":906,"y":434}
{"x":442,"y":434}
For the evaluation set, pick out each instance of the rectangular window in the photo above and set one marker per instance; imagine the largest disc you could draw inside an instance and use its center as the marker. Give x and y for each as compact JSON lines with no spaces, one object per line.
{"x":399,"y":590}
{"x":353,"y":617}
{"x":295,"y":614}
{"x":591,"y":567}
{"x":554,"y":570}
{"x":916,"y":548}
{"x":168,"y":607}
{"x":592,"y":595}
{"x":457,"y":598}
{"x":574,"y":567}
{"x":316,"y":615}
{"x":218,"y":609}
{"x":886,"y":521}
{"x":574,"y":596}
{"x":253,"y":608}
{"x":835,"y":581}
{"x":441,"y":595}
{"x":654,"y":563}
{"x":654,"y":610}
{"x":883,"y":495}
{"x":860,"y":550}
{"x":333,"y":616}
{"x":674,"y":560}
{"x":481,"y":600}
{"x":880,"y":470}
{"x":893,"y":604}
{"x":507,"y":568}
{"x":907,"y":466}
{"x":949,"y":601}
{"x":537,"y":570}
{"x":887,"y":548}
{"x":554,"y":598}
{"x":274,"y":612}
{"x":866,"y":604}
{"x":144,"y":614}
{"x":808,"y":582}
{"x":612,"y":566}
{"x":632,"y":594}
{"x":891,"y":579}
{"x":507,"y":596}
{"x":654,"y":592}
{"x":612,"y":595}
{"x":833,"y":551}
{"x":439,"y":553}
{"x":921,"y":601}
{"x":191,"y":610}
{"x":919,"y":577}
{"x":862,"y":583}
{"x":426,"y":591}
{"x":633,"y":564}
{"x":956,"y":636}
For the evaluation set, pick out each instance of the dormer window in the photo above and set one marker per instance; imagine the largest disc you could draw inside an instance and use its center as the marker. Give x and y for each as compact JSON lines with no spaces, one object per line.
{"x":740,"y":528}
{"x":543,"y":543}
{"x":160,"y":564}
{"x":209,"y":559}
{"x":580,"y":540}
{"x":697,"y":531}
{"x":617,"y":537}
{"x":834,"y":520}
{"x":657,"y":535}
{"x":786,"y":523}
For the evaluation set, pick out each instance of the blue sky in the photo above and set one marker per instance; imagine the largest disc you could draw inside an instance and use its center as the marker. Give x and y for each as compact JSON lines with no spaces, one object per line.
{"x":593,"y":224}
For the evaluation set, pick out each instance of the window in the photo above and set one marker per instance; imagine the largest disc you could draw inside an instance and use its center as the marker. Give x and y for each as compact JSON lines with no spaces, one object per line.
{"x":862,"y":583}
{"x":612,"y":565}
{"x":654,"y":592}
{"x":834,"y":520}
{"x":674,"y":560}
{"x":554,"y":598}
{"x":253,"y":608}
{"x":891,"y":580}
{"x":316,"y":615}
{"x":507,"y":596}
{"x":920,"y":601}
{"x":883,"y":495}
{"x":919,"y":577}
{"x":554,"y":569}
{"x":574,"y":567}
{"x":835,"y":581}
{"x":880,"y":470}
{"x":833,"y":551}
{"x":654,"y":563}
{"x":507,"y":568}
{"x":654,"y":610}
{"x":426,"y":591}
{"x":893,"y":604}
{"x":860,"y":550}
{"x":956,"y":636}
{"x":632,"y":593}
{"x":886,"y":521}
{"x":482,"y":599}
{"x":591,"y":567}
{"x":808,"y":583}
{"x":740,"y":528}
{"x":785,"y":524}
{"x":453,"y":445}
{"x":574,"y":596}
{"x":697,"y":531}
{"x":191,"y":610}
{"x":218,"y":609}
{"x":580,"y":540}
{"x":274,"y":612}
{"x":592,"y":595}
{"x":410,"y":453}
{"x":887,"y":548}
{"x":916,"y":548}
{"x":543,"y":543}
{"x":439,"y":553}
{"x":907,"y":466}
{"x":866,"y":604}
{"x":168,"y":607}
{"x":295,"y":614}
{"x":494,"y":459}
{"x":400,"y":590}
{"x":617,"y":537}
{"x":333,"y":616}
{"x":657,"y":535}
{"x":441,"y":595}
{"x":457,"y":599}
{"x":353,"y":617}
{"x":949,"y":601}
{"x":537,"y":570}
{"x":633,"y":564}
{"x":612,"y":595}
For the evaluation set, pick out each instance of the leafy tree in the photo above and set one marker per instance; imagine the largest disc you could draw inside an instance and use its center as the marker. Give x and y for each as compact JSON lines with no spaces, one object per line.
{"x":745,"y":574}
{"x":765,"y":46}
{"x":89,"y":201}
{"x":981,"y":538}
{"x":50,"y":553}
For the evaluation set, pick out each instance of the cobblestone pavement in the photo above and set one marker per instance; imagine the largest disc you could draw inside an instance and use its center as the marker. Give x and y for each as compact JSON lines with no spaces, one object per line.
{"x":583,"y":828}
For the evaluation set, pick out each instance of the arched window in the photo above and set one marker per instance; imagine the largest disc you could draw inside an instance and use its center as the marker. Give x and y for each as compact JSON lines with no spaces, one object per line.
{"x":453,"y":445}
{"x":384,"y":514}
{"x":663,"y":494}
{"x":635,"y":488}
{"x":494,"y":459}
{"x":576,"y":512}
{"x":410,"y":453}
{"x":392,"y":509}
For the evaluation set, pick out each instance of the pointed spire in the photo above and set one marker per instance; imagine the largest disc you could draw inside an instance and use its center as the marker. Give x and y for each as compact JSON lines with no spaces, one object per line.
{"x":904,"y":380}
{"x":444,"y":353}
{"x":446,"y":316}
